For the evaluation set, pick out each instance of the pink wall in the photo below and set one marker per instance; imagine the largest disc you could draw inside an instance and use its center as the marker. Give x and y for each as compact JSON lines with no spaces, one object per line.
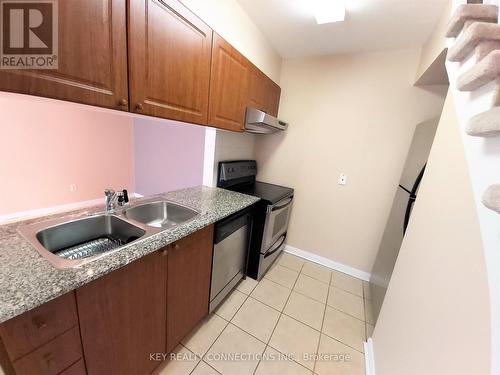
{"x":168,"y":155}
{"x":47,"y":145}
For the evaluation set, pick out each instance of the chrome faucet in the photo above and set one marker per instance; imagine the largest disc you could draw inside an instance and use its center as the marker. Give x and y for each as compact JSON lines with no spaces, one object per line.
{"x":114,"y":198}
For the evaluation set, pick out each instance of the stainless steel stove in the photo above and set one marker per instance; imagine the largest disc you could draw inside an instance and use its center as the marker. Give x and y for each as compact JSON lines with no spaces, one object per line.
{"x":270,"y":215}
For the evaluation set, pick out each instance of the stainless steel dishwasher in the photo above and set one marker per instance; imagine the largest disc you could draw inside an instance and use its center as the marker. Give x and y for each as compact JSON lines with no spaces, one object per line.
{"x":231,"y":243}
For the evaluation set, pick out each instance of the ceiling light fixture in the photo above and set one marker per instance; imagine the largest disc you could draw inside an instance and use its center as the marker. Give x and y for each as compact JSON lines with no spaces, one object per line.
{"x":328,"y":11}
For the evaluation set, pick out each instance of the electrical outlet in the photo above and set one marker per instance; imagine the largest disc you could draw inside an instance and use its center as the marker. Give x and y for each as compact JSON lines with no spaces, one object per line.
{"x":73,"y":188}
{"x":342,"y":179}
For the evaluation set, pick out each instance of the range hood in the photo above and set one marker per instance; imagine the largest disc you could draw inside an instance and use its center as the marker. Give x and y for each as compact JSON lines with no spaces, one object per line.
{"x":261,"y":123}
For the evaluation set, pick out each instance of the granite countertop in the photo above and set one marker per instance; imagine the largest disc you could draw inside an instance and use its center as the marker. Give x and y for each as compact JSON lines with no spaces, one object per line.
{"x":28,"y":280}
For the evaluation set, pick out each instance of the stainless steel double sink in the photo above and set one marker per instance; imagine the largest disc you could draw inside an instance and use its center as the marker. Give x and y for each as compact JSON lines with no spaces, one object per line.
{"x":69,"y":242}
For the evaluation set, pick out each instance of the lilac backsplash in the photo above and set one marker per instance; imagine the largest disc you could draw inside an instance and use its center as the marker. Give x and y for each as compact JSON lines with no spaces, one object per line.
{"x":168,"y":155}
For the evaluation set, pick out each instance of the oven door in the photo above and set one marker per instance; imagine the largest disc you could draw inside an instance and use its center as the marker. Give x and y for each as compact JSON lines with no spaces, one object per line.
{"x":276,"y":225}
{"x":267,"y":258}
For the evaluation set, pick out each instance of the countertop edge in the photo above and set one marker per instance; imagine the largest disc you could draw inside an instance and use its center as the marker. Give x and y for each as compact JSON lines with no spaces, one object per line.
{"x":130,"y":253}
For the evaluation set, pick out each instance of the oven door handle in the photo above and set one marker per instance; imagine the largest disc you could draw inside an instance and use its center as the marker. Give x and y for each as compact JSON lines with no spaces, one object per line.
{"x":275,"y":247}
{"x":279,"y":206}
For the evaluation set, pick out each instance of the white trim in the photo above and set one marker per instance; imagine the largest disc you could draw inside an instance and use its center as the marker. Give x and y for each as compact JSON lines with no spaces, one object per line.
{"x":328,"y":263}
{"x":209,"y":157}
{"x":30,"y":214}
{"x":369,"y":357}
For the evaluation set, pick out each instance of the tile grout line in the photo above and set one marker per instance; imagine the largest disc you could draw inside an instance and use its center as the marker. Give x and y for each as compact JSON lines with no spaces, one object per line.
{"x":201,"y":360}
{"x":307,"y":325}
{"x":301,"y":322}
{"x":322,"y":324}
{"x":279,"y":318}
{"x":248,"y":333}
{"x":247,"y":296}
{"x":304,"y":261}
{"x":349,"y":315}
{"x":281,"y":314}
{"x":343,"y":312}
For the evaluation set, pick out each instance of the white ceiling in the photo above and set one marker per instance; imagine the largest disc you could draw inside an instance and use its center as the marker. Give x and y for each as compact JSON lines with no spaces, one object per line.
{"x":370,"y":25}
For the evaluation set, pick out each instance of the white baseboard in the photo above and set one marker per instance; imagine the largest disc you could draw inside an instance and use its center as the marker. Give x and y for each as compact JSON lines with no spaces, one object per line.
{"x":30,"y":214}
{"x":328,"y":263}
{"x":369,"y":357}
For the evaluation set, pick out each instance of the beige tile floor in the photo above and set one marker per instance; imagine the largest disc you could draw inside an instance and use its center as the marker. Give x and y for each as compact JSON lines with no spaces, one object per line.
{"x":301,"y":318}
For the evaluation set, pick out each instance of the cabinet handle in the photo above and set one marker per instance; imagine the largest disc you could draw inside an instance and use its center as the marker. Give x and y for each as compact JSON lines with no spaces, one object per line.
{"x":49,"y":361}
{"x":176,"y":246}
{"x":164,"y":252}
{"x":139,"y":107}
{"x":123,"y":102}
{"x":39,"y":322}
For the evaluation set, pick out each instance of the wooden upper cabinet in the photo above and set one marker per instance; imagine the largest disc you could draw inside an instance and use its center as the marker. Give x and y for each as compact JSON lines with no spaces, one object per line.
{"x":273,"y":98}
{"x":189,"y":271}
{"x":230,"y":76}
{"x":123,"y":317}
{"x":257,"y":90}
{"x":263,"y":93}
{"x":92,"y":57}
{"x":169,"y":61}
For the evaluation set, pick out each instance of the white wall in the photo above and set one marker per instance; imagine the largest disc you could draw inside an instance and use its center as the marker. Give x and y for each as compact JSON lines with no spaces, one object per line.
{"x":229,"y":20}
{"x":483,"y":157}
{"x":436,"y":42}
{"x":168,"y":155}
{"x":224,"y":145}
{"x":435,"y":318}
{"x":352,"y":114}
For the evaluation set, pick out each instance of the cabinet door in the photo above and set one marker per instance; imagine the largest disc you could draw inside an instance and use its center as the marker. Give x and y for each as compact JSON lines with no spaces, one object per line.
{"x":263,"y":93}
{"x":229,"y":81}
{"x":273,"y":94}
{"x":123,"y":317}
{"x":189,"y":271}
{"x":30,"y":330}
{"x":257,"y":90}
{"x":52,"y":357}
{"x":92,"y":57}
{"x":169,"y":52}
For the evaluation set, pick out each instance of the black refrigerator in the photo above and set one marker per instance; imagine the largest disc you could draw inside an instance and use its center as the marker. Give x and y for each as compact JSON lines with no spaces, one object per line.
{"x":402,"y":206}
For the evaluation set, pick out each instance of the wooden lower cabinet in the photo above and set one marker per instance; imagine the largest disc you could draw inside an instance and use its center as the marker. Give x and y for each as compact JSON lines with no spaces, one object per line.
{"x":189,"y":272}
{"x":123,"y":317}
{"x":77,"y":368}
{"x":52,"y":358}
{"x":118,"y":320}
{"x":43,"y":341}
{"x":145,"y":307}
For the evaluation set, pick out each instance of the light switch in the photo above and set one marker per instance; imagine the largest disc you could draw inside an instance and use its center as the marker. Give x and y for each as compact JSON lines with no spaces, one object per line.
{"x":342,"y":179}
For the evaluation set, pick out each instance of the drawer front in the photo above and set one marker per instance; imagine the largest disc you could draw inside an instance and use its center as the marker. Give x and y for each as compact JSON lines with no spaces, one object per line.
{"x":77,"y":369}
{"x":53,"y":357}
{"x":28,"y":331}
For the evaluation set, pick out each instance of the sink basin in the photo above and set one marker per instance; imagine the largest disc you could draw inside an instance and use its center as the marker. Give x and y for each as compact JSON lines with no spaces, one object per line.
{"x":69,"y":242}
{"x":65,"y":242}
{"x":160,"y":214}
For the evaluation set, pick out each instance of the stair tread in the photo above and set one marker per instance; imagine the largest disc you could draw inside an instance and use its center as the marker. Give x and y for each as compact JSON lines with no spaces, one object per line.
{"x":465,"y":12}
{"x":486,"y":124}
{"x":491,"y":198}
{"x":487,"y":70}
{"x":483,"y":49}
{"x":470,"y":38}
